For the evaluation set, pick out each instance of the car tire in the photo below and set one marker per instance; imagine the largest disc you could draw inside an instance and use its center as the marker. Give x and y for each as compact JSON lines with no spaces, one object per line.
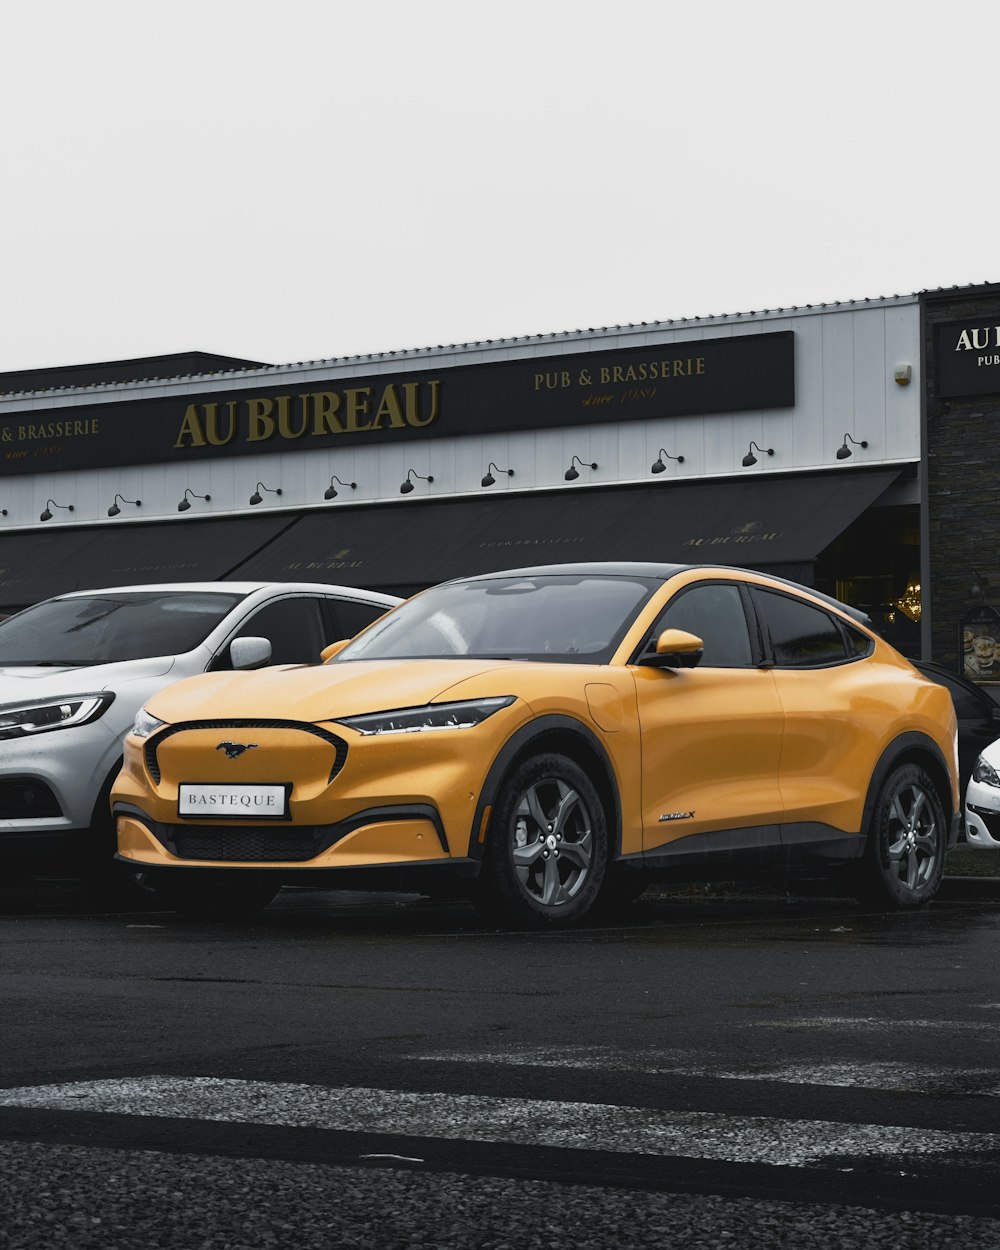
{"x":547,"y":850}
{"x":907,"y":837}
{"x":214,"y":894}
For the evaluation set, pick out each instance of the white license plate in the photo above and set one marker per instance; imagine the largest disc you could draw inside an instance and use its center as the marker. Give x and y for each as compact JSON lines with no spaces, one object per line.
{"x":243,"y":802}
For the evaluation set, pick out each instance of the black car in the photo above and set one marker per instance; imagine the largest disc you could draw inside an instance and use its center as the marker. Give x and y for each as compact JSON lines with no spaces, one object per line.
{"x":977,"y":710}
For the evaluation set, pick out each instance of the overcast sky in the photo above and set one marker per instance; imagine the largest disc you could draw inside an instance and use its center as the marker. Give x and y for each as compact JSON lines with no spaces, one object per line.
{"x":290,"y":180}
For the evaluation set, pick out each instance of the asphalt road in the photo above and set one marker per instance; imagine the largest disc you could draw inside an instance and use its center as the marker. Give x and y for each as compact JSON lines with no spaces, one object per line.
{"x":358,"y":1071}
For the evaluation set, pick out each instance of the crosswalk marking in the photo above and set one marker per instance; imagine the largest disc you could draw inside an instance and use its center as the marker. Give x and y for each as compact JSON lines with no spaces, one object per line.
{"x":891,"y":1076}
{"x":514,"y":1121}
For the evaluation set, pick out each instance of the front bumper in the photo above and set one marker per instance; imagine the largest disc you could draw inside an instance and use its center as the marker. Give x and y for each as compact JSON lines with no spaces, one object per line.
{"x":982,"y":816}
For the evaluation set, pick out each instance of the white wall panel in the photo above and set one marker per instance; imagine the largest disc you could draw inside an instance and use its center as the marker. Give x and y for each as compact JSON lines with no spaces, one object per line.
{"x":844,"y":361}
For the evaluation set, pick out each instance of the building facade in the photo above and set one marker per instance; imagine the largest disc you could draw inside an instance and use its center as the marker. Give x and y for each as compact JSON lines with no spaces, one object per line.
{"x":814,"y":442}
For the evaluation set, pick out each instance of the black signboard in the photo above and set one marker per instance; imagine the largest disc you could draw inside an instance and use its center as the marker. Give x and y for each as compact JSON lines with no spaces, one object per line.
{"x":967,"y":358}
{"x":743,"y":372}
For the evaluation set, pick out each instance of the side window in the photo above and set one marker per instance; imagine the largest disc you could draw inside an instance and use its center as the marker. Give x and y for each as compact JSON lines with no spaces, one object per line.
{"x":858,"y":644}
{"x":350,"y":617}
{"x":713,"y":612}
{"x":294,"y":628}
{"x":802,"y":636}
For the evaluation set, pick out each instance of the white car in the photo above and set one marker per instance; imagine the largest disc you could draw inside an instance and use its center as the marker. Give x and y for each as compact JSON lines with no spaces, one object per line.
{"x":982,"y":801}
{"x":74,"y":671}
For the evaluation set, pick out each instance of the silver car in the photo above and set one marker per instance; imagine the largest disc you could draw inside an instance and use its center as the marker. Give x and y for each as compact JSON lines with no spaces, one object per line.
{"x":74,"y":671}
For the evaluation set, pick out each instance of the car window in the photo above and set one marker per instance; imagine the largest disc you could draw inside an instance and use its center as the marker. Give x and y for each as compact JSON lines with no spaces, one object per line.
{"x":293,"y":627}
{"x":350,"y":617}
{"x":714,"y":613}
{"x":562,"y":618}
{"x":802,"y":636}
{"x":107,"y":628}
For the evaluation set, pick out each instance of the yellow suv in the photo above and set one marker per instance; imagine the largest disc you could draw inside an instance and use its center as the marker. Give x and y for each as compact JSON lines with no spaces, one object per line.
{"x":544,"y":738}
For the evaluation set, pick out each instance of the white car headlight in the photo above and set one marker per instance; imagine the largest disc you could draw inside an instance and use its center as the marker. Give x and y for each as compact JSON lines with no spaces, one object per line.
{"x":985,"y":773}
{"x":145,"y":724}
{"x":22,"y":719}
{"x":407,"y":720}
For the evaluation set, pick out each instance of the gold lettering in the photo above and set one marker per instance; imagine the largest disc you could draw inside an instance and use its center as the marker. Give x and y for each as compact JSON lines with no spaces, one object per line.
{"x":357,"y":406}
{"x":190,"y":429}
{"x":261,"y":423}
{"x":284,"y":419}
{"x":326,"y":405}
{"x":699,"y":365}
{"x":389,"y":406}
{"x":605,"y":374}
{"x":212,"y":424}
{"x":413,"y":416}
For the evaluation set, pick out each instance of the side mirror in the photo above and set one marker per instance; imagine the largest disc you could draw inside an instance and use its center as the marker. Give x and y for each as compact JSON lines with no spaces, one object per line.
{"x":246,"y":653}
{"x":675,"y":648}
{"x":335,"y":648}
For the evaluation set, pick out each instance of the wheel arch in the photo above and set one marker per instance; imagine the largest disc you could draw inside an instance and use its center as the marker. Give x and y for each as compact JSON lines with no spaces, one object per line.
{"x":910,"y":748}
{"x":569,"y":737}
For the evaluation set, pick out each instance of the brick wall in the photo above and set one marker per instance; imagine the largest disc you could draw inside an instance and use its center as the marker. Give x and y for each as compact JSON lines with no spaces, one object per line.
{"x":963,"y":481}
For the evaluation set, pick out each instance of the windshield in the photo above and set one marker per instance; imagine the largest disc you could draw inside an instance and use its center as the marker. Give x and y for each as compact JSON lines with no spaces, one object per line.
{"x":571,"y":619}
{"x":103,"y":629}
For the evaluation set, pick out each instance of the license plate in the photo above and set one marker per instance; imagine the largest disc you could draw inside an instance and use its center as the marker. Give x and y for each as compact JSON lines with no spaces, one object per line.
{"x":243,"y":802}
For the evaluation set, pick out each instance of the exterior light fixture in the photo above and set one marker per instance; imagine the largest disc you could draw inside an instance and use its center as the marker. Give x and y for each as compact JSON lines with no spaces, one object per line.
{"x":658,"y":466}
{"x":114,"y":510}
{"x":489,"y":479}
{"x":257,"y":497}
{"x":407,"y":486}
{"x":185,"y":503}
{"x":750,"y":458}
{"x":51,"y":503}
{"x":572,"y":473}
{"x":843,"y":451}
{"x":331,"y":490}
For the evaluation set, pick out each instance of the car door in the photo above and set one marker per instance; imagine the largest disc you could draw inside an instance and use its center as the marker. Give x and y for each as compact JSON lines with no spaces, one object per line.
{"x":834,"y":704}
{"x":711,"y":735}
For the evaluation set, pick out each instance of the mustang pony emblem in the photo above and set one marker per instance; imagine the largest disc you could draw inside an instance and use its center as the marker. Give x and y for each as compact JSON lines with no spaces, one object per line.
{"x":234,"y":750}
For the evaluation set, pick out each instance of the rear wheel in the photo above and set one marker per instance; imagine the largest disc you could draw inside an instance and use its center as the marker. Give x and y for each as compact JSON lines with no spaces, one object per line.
{"x":214,"y":894}
{"x":548,"y":846}
{"x":906,"y":841}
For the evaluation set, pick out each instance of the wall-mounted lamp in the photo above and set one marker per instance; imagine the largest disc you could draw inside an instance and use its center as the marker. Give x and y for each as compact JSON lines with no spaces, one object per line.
{"x":51,"y":503}
{"x":257,"y":497}
{"x":114,"y":510}
{"x":331,"y":490}
{"x":658,"y":466}
{"x":407,"y":486}
{"x":572,"y":473}
{"x":185,"y":503}
{"x":750,"y":458}
{"x":489,"y":479}
{"x":902,"y":373}
{"x":843,"y":451}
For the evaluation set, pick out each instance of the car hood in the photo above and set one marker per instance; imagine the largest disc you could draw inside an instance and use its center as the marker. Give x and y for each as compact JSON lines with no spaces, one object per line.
{"x":22,"y":682}
{"x":326,"y":692}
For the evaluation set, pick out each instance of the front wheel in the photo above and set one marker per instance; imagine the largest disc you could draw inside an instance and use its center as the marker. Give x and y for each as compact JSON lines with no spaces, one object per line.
{"x":548,"y":846}
{"x":214,"y":894}
{"x":906,"y":841}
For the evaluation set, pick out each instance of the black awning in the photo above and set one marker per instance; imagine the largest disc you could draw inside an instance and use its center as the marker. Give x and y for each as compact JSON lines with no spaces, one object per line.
{"x":757,"y":522}
{"x":37,"y":565}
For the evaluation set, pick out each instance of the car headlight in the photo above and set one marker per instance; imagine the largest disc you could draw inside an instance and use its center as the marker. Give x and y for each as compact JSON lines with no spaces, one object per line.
{"x":145,"y":724}
{"x":985,"y":773}
{"x":408,"y":720}
{"x":22,"y":719}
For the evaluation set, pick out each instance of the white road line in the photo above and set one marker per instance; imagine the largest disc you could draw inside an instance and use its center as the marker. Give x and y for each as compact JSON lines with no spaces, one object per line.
{"x":515,"y":1121}
{"x":892,"y":1076}
{"x":876,"y":1024}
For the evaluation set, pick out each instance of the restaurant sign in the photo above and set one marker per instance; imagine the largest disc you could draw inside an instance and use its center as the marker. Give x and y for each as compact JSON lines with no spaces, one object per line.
{"x":744,"y":372}
{"x":967,"y":358}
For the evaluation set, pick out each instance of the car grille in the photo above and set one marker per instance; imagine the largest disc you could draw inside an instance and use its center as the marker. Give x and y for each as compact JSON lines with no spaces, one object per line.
{"x":247,"y":845}
{"x":154,"y":743}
